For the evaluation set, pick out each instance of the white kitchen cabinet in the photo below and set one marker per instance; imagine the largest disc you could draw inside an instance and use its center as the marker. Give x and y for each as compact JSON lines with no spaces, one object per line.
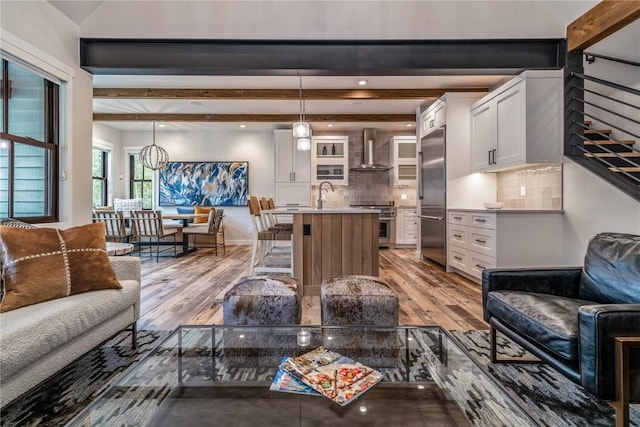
{"x":405,"y":160}
{"x":292,"y":165}
{"x":330,"y":159}
{"x":407,"y":227}
{"x":519,"y":123}
{"x":292,"y":171}
{"x":477,"y":240}
{"x":433,"y":117}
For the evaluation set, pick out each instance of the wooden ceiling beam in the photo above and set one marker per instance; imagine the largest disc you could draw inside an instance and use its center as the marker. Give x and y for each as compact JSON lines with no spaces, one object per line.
{"x":317,"y":118}
{"x":602,"y":20}
{"x":276,"y":94}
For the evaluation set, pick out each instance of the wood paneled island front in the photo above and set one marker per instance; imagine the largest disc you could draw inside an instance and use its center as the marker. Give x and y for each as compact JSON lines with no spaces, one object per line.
{"x":334,"y":242}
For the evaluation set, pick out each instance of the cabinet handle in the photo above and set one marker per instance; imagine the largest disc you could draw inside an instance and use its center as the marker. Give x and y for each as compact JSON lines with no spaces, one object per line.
{"x":290,"y":176}
{"x":480,"y":220}
{"x":494,"y":156}
{"x":481,"y":266}
{"x":458,"y":236}
{"x":481,"y":241}
{"x":489,"y":160}
{"x":293,"y":204}
{"x":457,"y":217}
{"x":294,"y":176}
{"x":458,"y":258}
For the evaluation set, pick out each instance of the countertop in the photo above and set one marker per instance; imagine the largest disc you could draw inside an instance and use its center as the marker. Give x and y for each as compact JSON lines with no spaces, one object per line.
{"x":345,"y":210}
{"x":510,"y":211}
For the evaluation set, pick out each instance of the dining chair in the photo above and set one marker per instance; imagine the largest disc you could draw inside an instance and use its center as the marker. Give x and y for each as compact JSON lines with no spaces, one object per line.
{"x":148,"y":225}
{"x":214,"y":228}
{"x":115,"y":230}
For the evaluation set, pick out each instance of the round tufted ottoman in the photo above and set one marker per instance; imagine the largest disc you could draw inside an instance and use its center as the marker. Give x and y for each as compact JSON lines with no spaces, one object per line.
{"x":262,"y":300}
{"x":357,"y":300}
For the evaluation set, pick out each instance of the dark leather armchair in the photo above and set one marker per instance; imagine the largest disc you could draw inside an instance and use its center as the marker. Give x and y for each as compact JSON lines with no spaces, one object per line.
{"x":568,"y":317}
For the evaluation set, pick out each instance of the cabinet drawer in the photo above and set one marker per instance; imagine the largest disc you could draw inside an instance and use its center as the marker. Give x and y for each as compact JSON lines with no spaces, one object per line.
{"x":459,"y":236}
{"x":478,"y":263}
{"x":458,"y":258}
{"x":458,"y":218}
{"x":410,"y":213}
{"x":483,"y":220}
{"x":482,"y":240}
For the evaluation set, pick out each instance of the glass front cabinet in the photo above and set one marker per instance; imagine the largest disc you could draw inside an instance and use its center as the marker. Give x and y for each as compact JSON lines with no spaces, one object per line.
{"x":330,"y":158}
{"x":405,"y":162}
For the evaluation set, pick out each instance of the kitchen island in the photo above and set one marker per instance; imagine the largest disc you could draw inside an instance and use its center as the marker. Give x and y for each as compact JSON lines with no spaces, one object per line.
{"x":333,"y":242}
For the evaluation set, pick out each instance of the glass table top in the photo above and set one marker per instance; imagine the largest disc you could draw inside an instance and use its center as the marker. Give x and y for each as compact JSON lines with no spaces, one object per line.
{"x":220,"y":375}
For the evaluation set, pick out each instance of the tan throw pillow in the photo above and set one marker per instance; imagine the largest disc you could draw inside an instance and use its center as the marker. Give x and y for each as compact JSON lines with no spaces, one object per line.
{"x":202,"y":210}
{"x":41,"y":264}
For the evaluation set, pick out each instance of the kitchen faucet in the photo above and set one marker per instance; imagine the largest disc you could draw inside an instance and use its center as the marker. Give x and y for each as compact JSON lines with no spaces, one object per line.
{"x":320,"y":192}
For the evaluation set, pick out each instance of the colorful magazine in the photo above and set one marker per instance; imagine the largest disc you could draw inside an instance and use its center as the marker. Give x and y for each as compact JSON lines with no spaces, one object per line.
{"x":339,"y":378}
{"x":283,"y":381}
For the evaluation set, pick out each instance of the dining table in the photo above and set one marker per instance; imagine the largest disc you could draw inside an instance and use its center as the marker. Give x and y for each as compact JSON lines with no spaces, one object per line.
{"x":185,"y":218}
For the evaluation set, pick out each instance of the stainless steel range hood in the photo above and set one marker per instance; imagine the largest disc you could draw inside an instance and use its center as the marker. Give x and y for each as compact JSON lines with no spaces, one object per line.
{"x":370,"y":164}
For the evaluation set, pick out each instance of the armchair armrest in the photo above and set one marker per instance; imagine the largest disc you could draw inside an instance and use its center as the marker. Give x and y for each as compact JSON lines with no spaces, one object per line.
{"x":561,"y":281}
{"x":598,"y":326}
{"x":126,"y":267}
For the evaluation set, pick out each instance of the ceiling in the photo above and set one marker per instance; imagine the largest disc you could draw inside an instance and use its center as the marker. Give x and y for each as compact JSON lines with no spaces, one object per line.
{"x":354,"y":105}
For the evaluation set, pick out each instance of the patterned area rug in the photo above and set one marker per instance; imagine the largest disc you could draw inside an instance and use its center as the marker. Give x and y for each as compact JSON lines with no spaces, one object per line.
{"x":549,"y":396}
{"x":57,"y":400}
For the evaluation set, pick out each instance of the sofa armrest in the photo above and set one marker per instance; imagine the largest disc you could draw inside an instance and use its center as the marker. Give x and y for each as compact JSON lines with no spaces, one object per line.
{"x":126,"y":267}
{"x":561,"y":281}
{"x":598,"y":325}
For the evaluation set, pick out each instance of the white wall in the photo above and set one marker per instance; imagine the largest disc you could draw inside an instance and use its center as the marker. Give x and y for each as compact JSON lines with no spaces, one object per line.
{"x":255,"y":147}
{"x":591,"y":204}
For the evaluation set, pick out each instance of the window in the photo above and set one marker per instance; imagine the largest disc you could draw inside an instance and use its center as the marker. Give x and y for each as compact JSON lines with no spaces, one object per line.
{"x":28,"y":145}
{"x":99,"y":173}
{"x":141,"y":186}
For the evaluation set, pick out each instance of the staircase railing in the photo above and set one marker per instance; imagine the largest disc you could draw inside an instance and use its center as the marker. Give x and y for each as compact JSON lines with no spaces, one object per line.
{"x":594,"y":103}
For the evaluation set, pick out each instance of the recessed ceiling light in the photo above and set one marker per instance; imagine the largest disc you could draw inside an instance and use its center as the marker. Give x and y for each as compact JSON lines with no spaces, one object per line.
{"x":195,"y":103}
{"x":362,"y":82}
{"x":356,"y":103}
{"x":243,"y":126}
{"x":161,"y":125}
{"x":330,"y":125}
{"x":409,"y":125}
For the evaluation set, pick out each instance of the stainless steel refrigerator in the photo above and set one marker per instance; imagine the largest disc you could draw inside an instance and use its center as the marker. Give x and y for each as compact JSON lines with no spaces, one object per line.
{"x":432,"y":194}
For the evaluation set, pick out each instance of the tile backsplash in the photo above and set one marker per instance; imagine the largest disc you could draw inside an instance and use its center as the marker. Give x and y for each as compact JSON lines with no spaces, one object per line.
{"x":376,"y":187}
{"x":541,"y":185}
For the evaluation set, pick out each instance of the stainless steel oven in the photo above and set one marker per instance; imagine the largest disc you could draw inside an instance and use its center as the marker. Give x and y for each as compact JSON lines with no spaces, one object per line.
{"x":387,"y":234}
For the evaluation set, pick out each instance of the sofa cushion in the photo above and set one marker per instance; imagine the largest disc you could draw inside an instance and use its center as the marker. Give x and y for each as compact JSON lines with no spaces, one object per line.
{"x":549,"y":320}
{"x":46,"y":263}
{"x":29,"y":333}
{"x":9,"y":222}
{"x":611,"y":269}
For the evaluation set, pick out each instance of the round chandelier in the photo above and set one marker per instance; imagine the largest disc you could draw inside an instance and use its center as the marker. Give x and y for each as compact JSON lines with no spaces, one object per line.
{"x":153,"y":156}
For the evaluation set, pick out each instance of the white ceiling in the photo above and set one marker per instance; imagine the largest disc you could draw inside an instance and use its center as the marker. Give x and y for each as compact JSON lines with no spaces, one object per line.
{"x":203,"y":106}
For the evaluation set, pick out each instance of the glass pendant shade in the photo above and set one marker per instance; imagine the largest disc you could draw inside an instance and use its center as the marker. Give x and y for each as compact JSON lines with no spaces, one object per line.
{"x":304,"y":144}
{"x":301,"y":130}
{"x":152,"y":156}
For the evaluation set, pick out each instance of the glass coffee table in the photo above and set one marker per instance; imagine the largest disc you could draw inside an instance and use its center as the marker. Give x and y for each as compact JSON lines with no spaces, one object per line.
{"x":219,"y":375}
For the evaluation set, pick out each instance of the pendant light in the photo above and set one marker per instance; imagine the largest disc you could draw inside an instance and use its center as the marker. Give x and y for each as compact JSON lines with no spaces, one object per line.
{"x":304,"y":144}
{"x":301,"y":128}
{"x":153,"y":156}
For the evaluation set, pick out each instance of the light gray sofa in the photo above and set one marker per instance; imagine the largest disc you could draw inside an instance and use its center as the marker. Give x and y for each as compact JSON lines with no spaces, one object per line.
{"x":38,"y":340}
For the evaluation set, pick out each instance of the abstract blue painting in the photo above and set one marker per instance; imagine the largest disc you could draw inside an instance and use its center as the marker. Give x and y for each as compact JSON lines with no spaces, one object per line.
{"x":204,"y":184}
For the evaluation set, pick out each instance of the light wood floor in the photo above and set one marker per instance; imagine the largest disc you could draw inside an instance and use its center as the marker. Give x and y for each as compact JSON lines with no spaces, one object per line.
{"x":190,"y":290}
